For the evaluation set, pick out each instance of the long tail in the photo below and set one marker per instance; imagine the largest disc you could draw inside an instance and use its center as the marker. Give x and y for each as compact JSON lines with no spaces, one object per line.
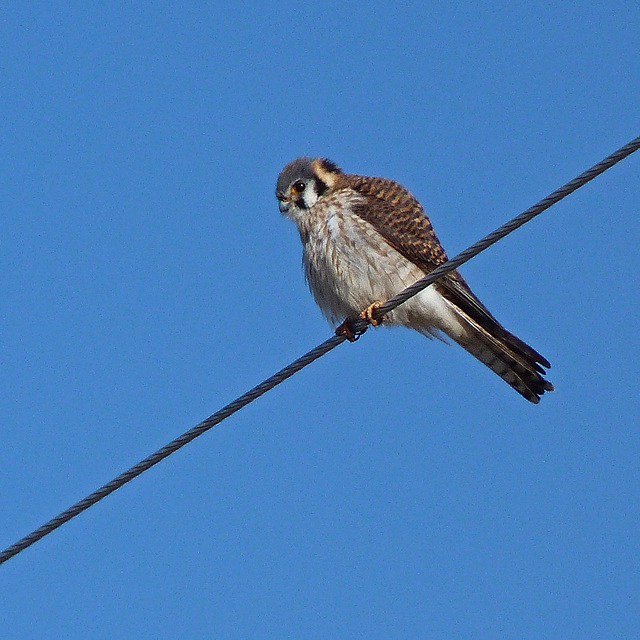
{"x":518,"y":364}
{"x":510,"y":360}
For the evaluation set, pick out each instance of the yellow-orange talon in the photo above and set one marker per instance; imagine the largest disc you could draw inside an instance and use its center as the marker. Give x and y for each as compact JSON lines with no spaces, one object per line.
{"x":367,"y":314}
{"x":346,"y":330}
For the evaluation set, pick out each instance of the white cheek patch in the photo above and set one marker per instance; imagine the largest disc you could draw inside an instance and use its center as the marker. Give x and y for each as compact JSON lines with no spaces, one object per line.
{"x":310,"y":195}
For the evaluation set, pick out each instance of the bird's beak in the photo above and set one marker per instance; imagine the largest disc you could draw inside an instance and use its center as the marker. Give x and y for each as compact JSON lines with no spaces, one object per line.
{"x":283,"y":205}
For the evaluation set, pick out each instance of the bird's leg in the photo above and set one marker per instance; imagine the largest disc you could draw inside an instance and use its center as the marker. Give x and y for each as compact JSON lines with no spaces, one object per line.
{"x":367,"y":314}
{"x":346,"y":329}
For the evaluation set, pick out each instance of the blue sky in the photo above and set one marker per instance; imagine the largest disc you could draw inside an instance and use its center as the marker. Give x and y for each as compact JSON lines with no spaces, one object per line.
{"x":395,"y":488}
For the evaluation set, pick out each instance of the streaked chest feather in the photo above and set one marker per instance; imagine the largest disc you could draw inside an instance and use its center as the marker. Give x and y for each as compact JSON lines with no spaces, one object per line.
{"x":348,"y":264}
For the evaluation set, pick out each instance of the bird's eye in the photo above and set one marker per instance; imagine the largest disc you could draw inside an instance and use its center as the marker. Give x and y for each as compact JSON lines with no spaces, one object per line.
{"x":299,"y":186}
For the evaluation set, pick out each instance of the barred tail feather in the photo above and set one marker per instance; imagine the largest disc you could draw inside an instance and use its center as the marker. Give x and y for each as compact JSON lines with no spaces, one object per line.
{"x":484,"y":337}
{"x":508,"y":356}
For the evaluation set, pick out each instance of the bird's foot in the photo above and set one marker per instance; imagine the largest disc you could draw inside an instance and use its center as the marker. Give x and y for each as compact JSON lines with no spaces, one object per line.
{"x":367,"y":314}
{"x":346,"y":329}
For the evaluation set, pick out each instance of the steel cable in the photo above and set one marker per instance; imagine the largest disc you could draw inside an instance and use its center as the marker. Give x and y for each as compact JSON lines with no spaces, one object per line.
{"x":314,"y":354}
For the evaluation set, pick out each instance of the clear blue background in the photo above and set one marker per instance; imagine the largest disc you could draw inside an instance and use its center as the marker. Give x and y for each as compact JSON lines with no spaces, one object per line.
{"x":396,"y":488}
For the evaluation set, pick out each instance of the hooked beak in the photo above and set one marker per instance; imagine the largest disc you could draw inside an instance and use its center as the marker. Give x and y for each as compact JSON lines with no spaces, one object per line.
{"x":283,"y":205}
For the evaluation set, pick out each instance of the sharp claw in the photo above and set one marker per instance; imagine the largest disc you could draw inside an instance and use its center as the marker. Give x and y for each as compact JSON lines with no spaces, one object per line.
{"x":367,"y":314}
{"x":346,"y":330}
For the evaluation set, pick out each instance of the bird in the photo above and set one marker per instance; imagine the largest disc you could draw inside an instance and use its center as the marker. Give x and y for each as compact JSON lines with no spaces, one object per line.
{"x":364,"y":240}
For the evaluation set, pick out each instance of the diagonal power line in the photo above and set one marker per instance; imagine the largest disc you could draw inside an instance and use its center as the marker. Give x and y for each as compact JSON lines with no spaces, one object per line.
{"x":314,"y":354}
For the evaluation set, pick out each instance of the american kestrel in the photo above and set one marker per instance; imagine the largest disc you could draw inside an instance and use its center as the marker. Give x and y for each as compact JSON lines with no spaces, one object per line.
{"x":365,"y":239}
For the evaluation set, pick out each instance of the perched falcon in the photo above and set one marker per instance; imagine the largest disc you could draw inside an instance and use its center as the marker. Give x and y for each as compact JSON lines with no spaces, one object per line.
{"x":365,"y":239}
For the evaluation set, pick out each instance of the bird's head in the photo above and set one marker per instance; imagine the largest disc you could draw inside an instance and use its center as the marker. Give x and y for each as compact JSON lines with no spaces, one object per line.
{"x":303,"y":182}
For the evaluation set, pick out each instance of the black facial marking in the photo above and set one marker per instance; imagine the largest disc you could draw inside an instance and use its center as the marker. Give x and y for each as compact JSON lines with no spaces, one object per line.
{"x":321,"y":187}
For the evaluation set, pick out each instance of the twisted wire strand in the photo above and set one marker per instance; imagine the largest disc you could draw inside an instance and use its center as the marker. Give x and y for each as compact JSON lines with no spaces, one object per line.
{"x":501,"y":232}
{"x":314,"y":354}
{"x":170,"y":448}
